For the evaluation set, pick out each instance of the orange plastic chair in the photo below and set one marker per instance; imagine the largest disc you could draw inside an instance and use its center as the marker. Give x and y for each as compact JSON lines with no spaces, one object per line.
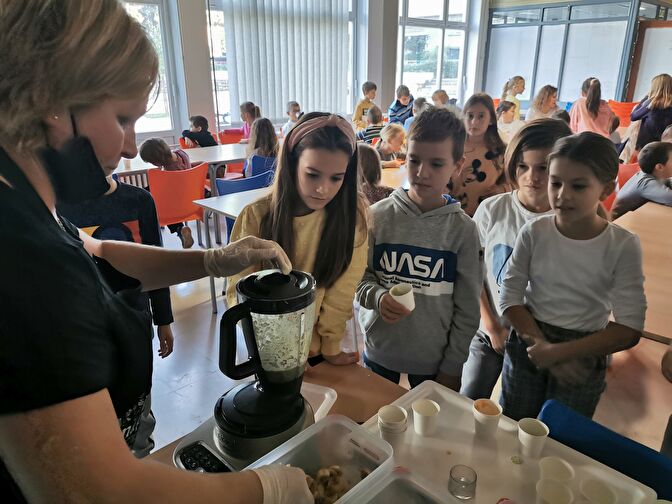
{"x":174,"y":193}
{"x":625,"y":172}
{"x":496,"y":102}
{"x":622,"y":110}
{"x":215,"y":137}
{"x":229,"y":138}
{"x":609,"y":202}
{"x":183,"y":144}
{"x":375,"y":141}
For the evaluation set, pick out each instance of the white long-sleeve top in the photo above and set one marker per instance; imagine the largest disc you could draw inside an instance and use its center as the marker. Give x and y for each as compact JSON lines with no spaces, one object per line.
{"x":576,"y":284}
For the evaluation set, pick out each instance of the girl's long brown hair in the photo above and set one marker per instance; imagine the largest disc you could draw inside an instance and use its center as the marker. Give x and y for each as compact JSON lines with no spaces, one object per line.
{"x":593,"y":91}
{"x":493,"y":141}
{"x":263,"y":139}
{"x":345,"y":213}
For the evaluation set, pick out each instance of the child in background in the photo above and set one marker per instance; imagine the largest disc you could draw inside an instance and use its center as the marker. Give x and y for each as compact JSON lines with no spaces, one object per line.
{"x":370,"y":171}
{"x":402,"y":108}
{"x":198,"y":132}
{"x":568,"y":273}
{"x":652,"y":183}
{"x":263,"y":140}
{"x":440,"y":98}
{"x":614,"y":135}
{"x":419,"y":104}
{"x":513,"y":87}
{"x":591,"y":112}
{"x":562,"y":115}
{"x":482,"y":174}
{"x":108,"y":215}
{"x":499,"y":220}
{"x":374,"y":118}
{"x":248,"y":113}
{"x":544,"y":104}
{"x":294,"y":113}
{"x":392,"y":138}
{"x":315,"y":213}
{"x":656,"y":108}
{"x":423,"y":237}
{"x":359,"y":117}
{"x":158,"y":153}
{"x":507,"y":126}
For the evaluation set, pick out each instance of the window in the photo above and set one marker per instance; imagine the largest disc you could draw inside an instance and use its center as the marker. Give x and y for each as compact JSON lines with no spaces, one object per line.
{"x":431,"y":46}
{"x":550,"y":54}
{"x":647,"y":10}
{"x":556,"y":13}
{"x":505,"y":42}
{"x":596,"y":11}
{"x":159,"y":117}
{"x":270,"y":52}
{"x":516,"y":16}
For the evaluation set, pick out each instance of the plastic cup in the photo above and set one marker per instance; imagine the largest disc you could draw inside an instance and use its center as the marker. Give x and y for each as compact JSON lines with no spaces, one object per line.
{"x":462,"y":482}
{"x":557,"y":469}
{"x":425,"y":413}
{"x":553,"y":492}
{"x":403,"y":294}
{"x":532,"y":434}
{"x":392,"y":417}
{"x":486,"y":417}
{"x":597,"y":492}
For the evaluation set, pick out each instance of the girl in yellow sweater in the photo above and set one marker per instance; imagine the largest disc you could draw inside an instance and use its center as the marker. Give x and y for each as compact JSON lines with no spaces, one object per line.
{"x":315,"y":213}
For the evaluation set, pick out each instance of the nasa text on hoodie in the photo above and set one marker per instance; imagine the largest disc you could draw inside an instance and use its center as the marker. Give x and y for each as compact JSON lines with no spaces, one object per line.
{"x":437,"y":252}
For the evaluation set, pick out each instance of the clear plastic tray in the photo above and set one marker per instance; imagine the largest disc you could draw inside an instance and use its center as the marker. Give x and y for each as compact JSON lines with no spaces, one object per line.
{"x":320,"y":398}
{"x":334,"y":440}
{"x":498,"y":476}
{"x":398,"y":487}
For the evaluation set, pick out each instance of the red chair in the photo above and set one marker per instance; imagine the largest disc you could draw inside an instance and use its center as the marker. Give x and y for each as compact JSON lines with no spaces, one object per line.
{"x":622,"y":111}
{"x":625,"y":171}
{"x":174,"y":193}
{"x":183,"y":144}
{"x":226,"y":137}
{"x":496,"y":102}
{"x":375,"y":141}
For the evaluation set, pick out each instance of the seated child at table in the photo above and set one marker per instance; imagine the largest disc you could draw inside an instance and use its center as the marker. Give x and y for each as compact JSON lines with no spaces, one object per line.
{"x":358,"y":118}
{"x":263,"y":142}
{"x":374,"y":118}
{"x":370,"y":173}
{"x":158,"y":153}
{"x":249,"y":112}
{"x":198,"y":132}
{"x":423,"y":238}
{"x":567,"y":274}
{"x":652,"y":182}
{"x":419,"y":105}
{"x":401,"y":108}
{"x":392,"y":139}
{"x":440,"y":98}
{"x":294,"y":113}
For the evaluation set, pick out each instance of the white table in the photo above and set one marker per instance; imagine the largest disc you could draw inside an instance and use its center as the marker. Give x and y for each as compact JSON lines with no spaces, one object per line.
{"x":229,"y":205}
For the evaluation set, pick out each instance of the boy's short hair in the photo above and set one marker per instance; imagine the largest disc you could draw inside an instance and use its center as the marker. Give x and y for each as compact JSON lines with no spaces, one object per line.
{"x":200,"y":122}
{"x":561,"y":114}
{"x":403,"y":91}
{"x":369,"y":86}
{"x":291,"y":105}
{"x":437,"y":124}
{"x":375,"y":115}
{"x":419,"y":105}
{"x":440,"y":95}
{"x":652,"y":154}
{"x":155,"y":151}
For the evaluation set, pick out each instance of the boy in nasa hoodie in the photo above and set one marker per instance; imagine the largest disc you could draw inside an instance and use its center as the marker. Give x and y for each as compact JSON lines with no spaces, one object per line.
{"x":422,"y":237}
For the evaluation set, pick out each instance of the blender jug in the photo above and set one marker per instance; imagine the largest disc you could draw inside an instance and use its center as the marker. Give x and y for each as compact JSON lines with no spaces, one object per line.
{"x":277,"y":314}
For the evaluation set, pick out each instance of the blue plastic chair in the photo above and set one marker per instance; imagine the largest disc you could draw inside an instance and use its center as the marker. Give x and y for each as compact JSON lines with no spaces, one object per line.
{"x":246,"y":184}
{"x":568,"y":106}
{"x":258,"y":164}
{"x":635,"y":460}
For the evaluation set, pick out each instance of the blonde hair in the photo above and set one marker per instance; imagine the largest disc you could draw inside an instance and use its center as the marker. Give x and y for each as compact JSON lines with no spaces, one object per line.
{"x":67,"y":54}
{"x":543,"y":95}
{"x":508,"y":86}
{"x":392,"y":131}
{"x":661,"y":92}
{"x":440,"y":95}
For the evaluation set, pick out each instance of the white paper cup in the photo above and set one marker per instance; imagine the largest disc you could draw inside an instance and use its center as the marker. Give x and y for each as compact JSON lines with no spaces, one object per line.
{"x":597,"y":492}
{"x":486,"y":421}
{"x":555,"y":468}
{"x":425,"y":413}
{"x":553,"y":492}
{"x":392,"y":417}
{"x":532,"y":434}
{"x":403,"y":294}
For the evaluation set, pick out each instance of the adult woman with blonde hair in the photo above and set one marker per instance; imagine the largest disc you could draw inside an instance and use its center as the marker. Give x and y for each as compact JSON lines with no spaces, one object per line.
{"x":75,"y":359}
{"x":655,"y":111}
{"x":545,"y":103}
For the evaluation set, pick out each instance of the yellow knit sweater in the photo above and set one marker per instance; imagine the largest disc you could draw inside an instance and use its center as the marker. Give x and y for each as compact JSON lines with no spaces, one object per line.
{"x":333,"y":306}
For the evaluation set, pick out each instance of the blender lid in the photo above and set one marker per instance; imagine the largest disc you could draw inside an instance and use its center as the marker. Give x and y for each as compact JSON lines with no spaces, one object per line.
{"x":273,"y":286}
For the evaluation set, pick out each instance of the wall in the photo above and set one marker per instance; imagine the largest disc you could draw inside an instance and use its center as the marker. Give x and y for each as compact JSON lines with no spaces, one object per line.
{"x":383,"y":22}
{"x":194,"y":41}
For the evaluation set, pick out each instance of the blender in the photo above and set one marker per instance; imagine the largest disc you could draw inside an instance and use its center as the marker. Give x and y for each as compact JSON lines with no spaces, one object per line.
{"x":276,"y":313}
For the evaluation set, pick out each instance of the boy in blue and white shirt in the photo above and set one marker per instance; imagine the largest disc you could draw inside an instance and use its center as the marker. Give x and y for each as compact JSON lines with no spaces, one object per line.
{"x":401,"y":108}
{"x":422,"y":237}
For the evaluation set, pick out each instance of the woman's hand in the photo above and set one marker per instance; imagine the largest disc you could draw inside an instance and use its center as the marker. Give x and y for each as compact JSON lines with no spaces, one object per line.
{"x":391,"y":311}
{"x":343,"y":358}
{"x":241,"y":254}
{"x":165,"y":334}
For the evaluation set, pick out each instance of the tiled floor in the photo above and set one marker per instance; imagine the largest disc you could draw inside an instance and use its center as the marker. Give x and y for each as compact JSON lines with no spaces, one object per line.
{"x":636,"y":403}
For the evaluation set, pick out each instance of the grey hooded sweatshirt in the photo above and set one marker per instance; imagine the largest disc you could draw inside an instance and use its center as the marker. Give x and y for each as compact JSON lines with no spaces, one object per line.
{"x":438,"y":252}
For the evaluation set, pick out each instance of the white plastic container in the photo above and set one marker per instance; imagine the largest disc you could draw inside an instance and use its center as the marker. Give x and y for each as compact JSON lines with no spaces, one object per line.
{"x":320,"y":398}
{"x":398,"y":487}
{"x":335,"y":440}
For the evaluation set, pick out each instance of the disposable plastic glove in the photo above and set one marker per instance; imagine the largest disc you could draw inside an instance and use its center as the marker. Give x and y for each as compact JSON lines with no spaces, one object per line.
{"x":284,"y":485}
{"x":235,"y":257}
